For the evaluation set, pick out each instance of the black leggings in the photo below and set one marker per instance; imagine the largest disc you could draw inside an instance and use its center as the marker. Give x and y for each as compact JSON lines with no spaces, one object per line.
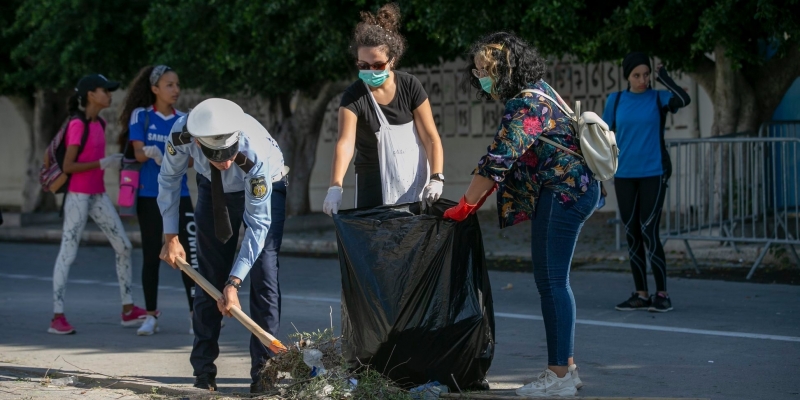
{"x":640,"y":202}
{"x":152,"y":229}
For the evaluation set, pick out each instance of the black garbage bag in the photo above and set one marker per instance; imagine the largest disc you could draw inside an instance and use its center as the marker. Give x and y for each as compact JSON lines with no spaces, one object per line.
{"x":416,"y":300}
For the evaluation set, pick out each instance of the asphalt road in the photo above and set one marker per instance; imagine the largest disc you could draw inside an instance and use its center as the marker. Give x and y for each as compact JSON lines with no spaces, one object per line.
{"x":724,"y":340}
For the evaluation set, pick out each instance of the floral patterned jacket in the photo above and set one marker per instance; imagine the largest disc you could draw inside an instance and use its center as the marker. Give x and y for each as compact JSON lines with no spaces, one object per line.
{"x":521,"y":164}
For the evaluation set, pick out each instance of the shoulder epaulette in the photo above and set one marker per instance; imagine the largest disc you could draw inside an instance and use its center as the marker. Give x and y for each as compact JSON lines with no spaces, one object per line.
{"x":182,"y":137}
{"x":244,"y":163}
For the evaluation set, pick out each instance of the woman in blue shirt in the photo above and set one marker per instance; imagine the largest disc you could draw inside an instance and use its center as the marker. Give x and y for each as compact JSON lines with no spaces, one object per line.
{"x":638,"y":116}
{"x":148,"y":116}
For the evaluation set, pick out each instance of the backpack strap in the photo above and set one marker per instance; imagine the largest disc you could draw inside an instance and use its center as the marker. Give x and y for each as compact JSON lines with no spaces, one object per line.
{"x":565,"y":108}
{"x":85,"y":136}
{"x":662,"y":113}
{"x":616,"y":104}
{"x":132,"y":155}
{"x":546,"y":140}
{"x":568,"y":112}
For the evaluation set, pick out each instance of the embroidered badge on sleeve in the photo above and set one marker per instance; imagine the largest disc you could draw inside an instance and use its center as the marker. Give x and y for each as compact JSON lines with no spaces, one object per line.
{"x":258,"y":187}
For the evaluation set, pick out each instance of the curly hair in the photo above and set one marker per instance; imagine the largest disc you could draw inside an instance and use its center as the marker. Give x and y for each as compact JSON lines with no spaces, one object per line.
{"x":139,"y":95}
{"x":511,"y":62}
{"x":380,"y":30}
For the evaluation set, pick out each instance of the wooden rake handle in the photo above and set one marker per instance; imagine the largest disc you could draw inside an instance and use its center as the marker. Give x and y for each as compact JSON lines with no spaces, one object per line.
{"x":268,"y":340}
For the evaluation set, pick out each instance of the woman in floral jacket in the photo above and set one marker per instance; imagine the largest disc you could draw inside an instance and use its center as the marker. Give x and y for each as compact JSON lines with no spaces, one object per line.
{"x":534,"y":181}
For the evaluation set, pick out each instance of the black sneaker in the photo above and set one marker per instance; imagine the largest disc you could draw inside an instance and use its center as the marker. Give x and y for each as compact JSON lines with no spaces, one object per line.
{"x":634,"y":303}
{"x":256,"y":387}
{"x":206,"y":382}
{"x":661,"y":303}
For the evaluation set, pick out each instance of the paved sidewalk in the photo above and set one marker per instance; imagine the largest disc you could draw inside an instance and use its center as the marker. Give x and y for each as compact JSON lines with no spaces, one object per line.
{"x":315,"y":235}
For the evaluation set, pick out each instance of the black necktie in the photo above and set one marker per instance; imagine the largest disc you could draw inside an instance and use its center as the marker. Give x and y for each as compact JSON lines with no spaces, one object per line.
{"x":222,"y":223}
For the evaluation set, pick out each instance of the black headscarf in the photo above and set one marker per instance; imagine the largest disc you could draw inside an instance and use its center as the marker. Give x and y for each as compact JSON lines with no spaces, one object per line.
{"x":633,"y":60}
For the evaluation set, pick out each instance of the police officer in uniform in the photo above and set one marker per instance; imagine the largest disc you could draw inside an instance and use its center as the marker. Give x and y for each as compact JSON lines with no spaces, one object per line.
{"x":240,"y":178}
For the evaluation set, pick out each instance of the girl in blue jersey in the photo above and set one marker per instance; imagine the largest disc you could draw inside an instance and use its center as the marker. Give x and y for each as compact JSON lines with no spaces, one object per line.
{"x":638,"y":116}
{"x":148,"y":116}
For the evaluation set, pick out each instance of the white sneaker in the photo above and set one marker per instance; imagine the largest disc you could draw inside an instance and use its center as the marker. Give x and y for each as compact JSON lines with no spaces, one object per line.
{"x":149,"y":326}
{"x":573,"y":370}
{"x":549,"y":384}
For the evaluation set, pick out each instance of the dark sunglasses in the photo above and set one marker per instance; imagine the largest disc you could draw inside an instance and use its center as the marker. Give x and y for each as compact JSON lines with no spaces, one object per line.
{"x":377,"y":66}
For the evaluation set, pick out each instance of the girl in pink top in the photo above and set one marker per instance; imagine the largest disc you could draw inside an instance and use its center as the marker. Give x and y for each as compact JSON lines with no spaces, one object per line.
{"x":86,"y":197}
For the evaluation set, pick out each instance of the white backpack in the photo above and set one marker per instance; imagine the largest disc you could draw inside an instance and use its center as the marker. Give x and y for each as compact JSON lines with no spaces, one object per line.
{"x":598,"y":143}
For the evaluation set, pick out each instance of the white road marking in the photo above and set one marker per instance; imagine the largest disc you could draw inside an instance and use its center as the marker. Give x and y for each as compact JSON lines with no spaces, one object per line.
{"x":529,"y":317}
{"x":660,"y":328}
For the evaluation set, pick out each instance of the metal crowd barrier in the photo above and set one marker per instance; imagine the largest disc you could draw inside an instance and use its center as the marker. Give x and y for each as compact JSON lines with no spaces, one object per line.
{"x":734,"y":190}
{"x":787,"y":129}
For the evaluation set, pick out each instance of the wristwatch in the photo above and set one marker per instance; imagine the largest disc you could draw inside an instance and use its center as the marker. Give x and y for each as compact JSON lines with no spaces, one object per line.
{"x":233,"y":283}
{"x":437,"y":177}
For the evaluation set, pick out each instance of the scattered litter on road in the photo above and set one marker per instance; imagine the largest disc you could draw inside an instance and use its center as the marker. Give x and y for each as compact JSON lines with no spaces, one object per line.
{"x":428,"y":391}
{"x":507,"y":287}
{"x":313,"y":368}
{"x":313,"y":358}
{"x":67,"y":381}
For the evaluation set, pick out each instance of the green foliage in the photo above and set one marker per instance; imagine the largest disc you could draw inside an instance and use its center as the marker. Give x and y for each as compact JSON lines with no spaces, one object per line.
{"x":52,"y":43}
{"x":680,"y":32}
{"x":8,"y":10}
{"x":335,"y":383}
{"x":268,"y":48}
{"x":276,"y":47}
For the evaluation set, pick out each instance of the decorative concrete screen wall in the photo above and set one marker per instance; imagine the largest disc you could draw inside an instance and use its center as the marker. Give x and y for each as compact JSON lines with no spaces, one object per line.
{"x":467,"y":125}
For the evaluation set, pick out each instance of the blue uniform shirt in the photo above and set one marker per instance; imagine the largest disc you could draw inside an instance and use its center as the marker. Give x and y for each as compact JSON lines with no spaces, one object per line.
{"x":638,"y":132}
{"x":155,"y":134}
{"x":258,"y":146}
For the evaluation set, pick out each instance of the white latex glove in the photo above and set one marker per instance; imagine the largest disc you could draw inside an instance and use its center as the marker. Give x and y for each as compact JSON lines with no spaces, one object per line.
{"x":333,"y":200}
{"x":112,"y":161}
{"x":431,"y":193}
{"x":153,"y":152}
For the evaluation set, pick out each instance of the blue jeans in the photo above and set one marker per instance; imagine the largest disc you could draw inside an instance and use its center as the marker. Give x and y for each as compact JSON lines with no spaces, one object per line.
{"x":554,"y":232}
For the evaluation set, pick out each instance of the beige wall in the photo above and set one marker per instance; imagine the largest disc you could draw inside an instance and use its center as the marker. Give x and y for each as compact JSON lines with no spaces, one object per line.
{"x":13,"y":152}
{"x":465,"y":124}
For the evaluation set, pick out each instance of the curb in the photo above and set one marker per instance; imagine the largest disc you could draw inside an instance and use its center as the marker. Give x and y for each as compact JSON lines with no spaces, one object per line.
{"x":297,"y":243}
{"x":150,"y":387}
{"x":98,"y":238}
{"x":139,"y":385}
{"x":290,"y":245}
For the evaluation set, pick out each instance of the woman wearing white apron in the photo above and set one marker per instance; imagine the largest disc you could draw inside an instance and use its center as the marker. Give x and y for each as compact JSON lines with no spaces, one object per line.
{"x":387,"y":117}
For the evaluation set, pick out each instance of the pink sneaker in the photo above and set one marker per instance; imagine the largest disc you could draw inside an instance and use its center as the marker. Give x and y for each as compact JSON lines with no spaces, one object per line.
{"x":60,"y":326}
{"x":135,"y":316}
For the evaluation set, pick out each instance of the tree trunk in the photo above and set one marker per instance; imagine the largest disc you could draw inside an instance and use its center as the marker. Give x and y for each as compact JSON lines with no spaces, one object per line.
{"x":772,"y":79}
{"x":298,"y":136}
{"x":743,"y":99}
{"x":746,"y":97}
{"x":44,"y":118}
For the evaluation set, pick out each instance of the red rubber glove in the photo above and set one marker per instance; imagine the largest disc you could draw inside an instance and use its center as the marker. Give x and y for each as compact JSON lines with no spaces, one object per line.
{"x":461,"y":211}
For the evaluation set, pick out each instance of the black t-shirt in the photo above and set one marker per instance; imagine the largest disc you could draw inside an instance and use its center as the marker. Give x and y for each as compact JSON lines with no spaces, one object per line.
{"x":409,"y":95}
